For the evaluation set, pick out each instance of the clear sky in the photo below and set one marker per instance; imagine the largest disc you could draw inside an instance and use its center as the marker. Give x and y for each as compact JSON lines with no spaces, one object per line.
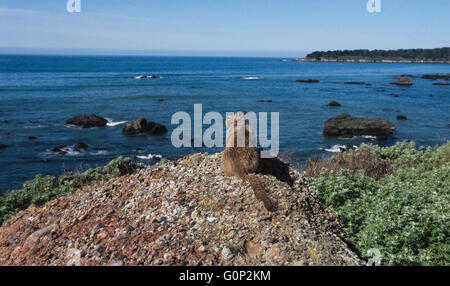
{"x":221,"y":27}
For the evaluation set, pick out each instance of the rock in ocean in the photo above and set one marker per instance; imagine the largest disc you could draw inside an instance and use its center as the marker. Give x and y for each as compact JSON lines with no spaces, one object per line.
{"x":345,"y":125}
{"x":141,"y":126}
{"x":87,"y":121}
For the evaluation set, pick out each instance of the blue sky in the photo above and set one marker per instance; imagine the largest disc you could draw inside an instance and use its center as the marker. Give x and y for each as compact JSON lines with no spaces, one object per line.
{"x":221,"y":27}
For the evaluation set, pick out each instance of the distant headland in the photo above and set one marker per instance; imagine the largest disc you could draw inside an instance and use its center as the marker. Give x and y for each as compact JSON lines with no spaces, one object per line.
{"x":435,"y":56}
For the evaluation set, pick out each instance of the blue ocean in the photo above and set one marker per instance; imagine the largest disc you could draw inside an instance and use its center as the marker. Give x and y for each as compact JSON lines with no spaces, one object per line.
{"x":38,"y":94}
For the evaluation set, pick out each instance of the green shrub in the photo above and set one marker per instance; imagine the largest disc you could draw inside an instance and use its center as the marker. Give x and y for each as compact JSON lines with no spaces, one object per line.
{"x":405,"y":214}
{"x":45,"y":188}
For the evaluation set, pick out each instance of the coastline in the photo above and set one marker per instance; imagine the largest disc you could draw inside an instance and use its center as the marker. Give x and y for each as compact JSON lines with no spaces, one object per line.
{"x":383,"y":61}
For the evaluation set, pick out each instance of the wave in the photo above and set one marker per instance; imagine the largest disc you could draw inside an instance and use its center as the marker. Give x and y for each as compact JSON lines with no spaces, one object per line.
{"x":252,"y":77}
{"x":148,"y":77}
{"x":335,"y":148}
{"x":150,"y":157}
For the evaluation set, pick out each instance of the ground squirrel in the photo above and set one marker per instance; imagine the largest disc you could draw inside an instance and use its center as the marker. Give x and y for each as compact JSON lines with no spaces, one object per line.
{"x":243,"y":162}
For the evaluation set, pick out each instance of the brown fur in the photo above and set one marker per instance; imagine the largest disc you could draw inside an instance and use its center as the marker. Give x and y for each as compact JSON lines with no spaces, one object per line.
{"x":243,"y":162}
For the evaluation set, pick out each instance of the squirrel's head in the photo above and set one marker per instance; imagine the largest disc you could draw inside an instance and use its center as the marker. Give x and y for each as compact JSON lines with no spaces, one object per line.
{"x":238,"y":116}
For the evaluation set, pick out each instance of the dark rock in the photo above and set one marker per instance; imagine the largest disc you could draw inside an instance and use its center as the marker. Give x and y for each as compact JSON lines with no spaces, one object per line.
{"x":5,"y":121}
{"x":395,"y":95}
{"x":355,"y":82}
{"x":403,"y":81}
{"x":59,"y":150}
{"x":401,"y":117}
{"x":3,"y":146}
{"x":334,"y":103}
{"x":262,"y":100}
{"x":161,"y":100}
{"x":87,"y":121}
{"x":441,"y":83}
{"x":80,"y":146}
{"x":32,"y":137}
{"x":308,"y":80}
{"x":347,"y":126}
{"x":141,"y":126}
{"x":436,"y":76}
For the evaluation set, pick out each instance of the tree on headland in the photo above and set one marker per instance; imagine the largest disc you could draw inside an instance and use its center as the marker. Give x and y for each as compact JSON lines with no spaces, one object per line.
{"x":439,"y":54}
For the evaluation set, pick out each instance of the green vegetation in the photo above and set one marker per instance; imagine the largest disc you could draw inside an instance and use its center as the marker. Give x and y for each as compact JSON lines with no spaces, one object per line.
{"x":396,"y":199}
{"x":440,"y":54}
{"x":45,"y":188}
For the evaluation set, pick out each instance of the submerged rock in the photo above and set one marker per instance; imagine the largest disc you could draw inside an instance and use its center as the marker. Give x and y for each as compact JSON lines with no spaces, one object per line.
{"x":32,"y":138}
{"x":141,"y":126}
{"x":334,"y":103}
{"x":87,"y":121}
{"x":345,"y":125}
{"x":3,"y":146}
{"x":357,"y":83}
{"x":401,"y":117}
{"x":181,"y":213}
{"x":308,"y":80}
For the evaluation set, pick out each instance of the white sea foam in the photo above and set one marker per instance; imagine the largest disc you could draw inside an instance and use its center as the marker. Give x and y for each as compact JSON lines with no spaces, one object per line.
{"x":338,"y":148}
{"x":335,"y":148}
{"x":111,"y":123}
{"x":150,"y":156}
{"x":369,"y":137}
{"x":252,"y":77}
{"x":99,"y":152}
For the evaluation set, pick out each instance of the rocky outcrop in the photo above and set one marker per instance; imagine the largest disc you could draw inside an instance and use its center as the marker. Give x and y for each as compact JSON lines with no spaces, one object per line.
{"x":181,"y":213}
{"x":141,"y":126}
{"x":401,"y":117}
{"x":441,"y":83}
{"x":334,"y":103}
{"x":403,"y":81}
{"x":436,"y":76}
{"x":87,"y":121}
{"x":308,"y":80}
{"x":347,"y":126}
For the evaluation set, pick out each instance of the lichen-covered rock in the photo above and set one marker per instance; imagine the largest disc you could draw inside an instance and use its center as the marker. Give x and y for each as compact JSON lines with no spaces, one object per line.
{"x":181,"y":213}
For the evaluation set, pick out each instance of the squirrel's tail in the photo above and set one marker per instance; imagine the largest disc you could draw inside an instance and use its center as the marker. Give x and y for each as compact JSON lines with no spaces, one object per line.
{"x":259,"y":191}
